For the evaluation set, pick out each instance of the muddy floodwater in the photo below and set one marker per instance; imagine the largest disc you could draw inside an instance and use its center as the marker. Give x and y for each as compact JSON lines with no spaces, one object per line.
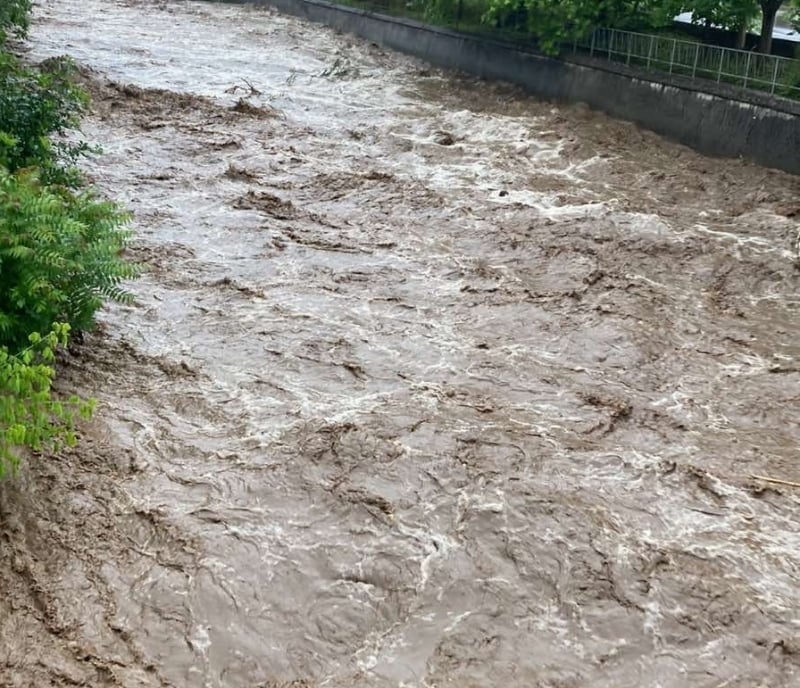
{"x":429,"y":384}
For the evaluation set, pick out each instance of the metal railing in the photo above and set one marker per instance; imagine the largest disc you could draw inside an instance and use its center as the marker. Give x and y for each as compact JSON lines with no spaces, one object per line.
{"x":771,"y":73}
{"x":739,"y":68}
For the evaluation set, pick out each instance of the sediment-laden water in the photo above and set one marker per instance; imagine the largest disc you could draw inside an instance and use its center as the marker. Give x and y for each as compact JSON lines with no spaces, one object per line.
{"x":429,"y":384}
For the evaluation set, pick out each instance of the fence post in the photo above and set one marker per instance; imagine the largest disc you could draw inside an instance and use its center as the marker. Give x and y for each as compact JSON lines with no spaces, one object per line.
{"x":747,"y":69}
{"x":630,"y":44}
{"x":696,"y":56}
{"x":610,"y":42}
{"x":650,"y":51}
{"x":672,"y":55}
{"x":591,"y":47}
{"x":721,"y":59}
{"x":774,"y":76}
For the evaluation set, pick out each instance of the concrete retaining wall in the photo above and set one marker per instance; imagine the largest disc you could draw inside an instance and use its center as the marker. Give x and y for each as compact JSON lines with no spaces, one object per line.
{"x":717,"y":120}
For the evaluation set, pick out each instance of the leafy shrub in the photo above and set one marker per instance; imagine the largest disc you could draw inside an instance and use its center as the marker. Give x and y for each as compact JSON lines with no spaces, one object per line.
{"x":29,"y":415}
{"x":36,"y":109}
{"x":59,"y":257}
{"x":60,"y":248}
{"x":13,"y":18}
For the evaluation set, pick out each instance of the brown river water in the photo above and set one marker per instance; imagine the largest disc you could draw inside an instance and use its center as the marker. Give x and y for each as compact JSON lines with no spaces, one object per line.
{"x":429,"y":383}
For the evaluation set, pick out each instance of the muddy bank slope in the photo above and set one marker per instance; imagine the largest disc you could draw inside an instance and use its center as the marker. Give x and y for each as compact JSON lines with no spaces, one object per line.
{"x":429,"y":384}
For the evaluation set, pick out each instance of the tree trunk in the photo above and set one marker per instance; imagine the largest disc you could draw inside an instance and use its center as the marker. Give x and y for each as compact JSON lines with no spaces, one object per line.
{"x":741,"y":36}
{"x":769,"y":9}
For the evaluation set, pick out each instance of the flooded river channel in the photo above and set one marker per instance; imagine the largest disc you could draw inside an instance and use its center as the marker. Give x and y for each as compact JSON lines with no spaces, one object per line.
{"x":429,"y":384}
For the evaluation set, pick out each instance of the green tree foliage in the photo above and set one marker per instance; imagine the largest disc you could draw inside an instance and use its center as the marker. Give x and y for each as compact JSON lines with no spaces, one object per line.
{"x":442,"y":11}
{"x":29,"y":415}
{"x":14,"y":18}
{"x":728,"y":14}
{"x":734,"y":15}
{"x":36,"y":109}
{"x":59,"y":257}
{"x":553,"y":22}
{"x":60,"y":247}
{"x":559,"y":21}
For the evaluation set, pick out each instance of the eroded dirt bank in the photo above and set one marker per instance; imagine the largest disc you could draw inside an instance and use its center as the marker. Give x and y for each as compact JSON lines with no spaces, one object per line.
{"x":430,"y":384}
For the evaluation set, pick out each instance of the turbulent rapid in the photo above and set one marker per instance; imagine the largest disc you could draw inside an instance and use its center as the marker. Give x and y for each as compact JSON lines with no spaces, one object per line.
{"x":428,"y":383}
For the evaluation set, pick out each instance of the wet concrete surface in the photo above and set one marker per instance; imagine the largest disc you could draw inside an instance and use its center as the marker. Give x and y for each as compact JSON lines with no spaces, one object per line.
{"x":429,"y":384}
